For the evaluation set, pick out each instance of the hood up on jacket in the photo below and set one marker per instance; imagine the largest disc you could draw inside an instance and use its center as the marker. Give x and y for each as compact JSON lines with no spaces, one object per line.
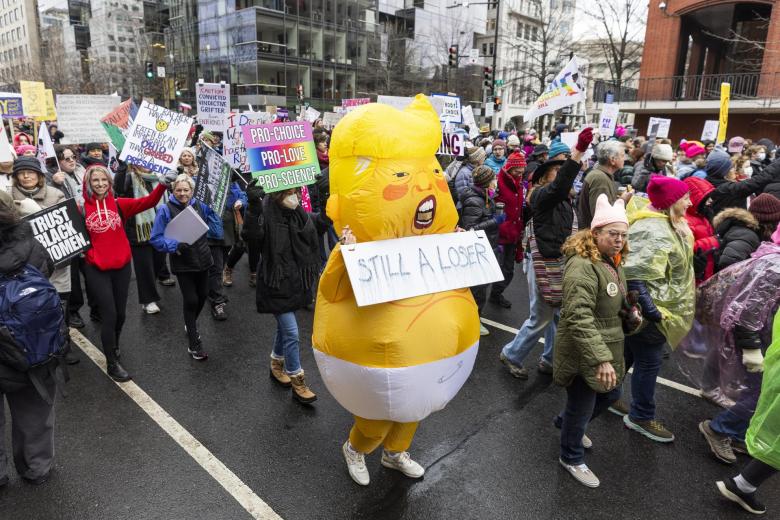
{"x":699,"y":190}
{"x":739,"y":216}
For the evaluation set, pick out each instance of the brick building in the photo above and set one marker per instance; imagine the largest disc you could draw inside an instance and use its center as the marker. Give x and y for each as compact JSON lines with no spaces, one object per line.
{"x":691,"y":47}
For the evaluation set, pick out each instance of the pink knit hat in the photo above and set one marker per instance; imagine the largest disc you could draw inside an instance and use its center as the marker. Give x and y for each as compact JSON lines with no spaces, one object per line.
{"x":606,"y":214}
{"x":776,"y":235}
{"x":665,"y":191}
{"x":693,"y":149}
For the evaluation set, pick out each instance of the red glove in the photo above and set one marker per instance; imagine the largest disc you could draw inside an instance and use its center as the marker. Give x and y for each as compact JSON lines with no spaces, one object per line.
{"x":584,"y":140}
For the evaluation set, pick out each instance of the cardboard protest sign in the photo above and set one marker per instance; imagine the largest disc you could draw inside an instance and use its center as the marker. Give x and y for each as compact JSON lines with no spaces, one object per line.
{"x":61,"y":230}
{"x":213,"y":103}
{"x":470,"y":121}
{"x":725,"y":99}
{"x":282,"y":155}
{"x":452,"y":143}
{"x":658,"y":127}
{"x":710,"y":131}
{"x":117,"y":122}
{"x":350,"y":104}
{"x":79,"y":117}
{"x":11,"y":104}
{"x":330,"y":119}
{"x":51,"y":111}
{"x":156,"y":138}
{"x":565,"y":90}
{"x":450,"y":112}
{"x":390,"y":270}
{"x":213,"y":180}
{"x":233,"y":149}
{"x":34,"y":96}
{"x":186,"y":227}
{"x":608,"y":120}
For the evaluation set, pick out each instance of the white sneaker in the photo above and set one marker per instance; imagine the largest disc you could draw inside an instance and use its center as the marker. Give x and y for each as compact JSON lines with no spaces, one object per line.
{"x":483,"y":331}
{"x":150,"y":308}
{"x":356,"y":465}
{"x":582,"y":473}
{"x":586,"y":442}
{"x":403,"y":463}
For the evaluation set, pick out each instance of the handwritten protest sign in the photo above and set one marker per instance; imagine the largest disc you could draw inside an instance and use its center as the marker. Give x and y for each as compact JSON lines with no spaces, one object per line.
{"x":281,"y":156}
{"x":330,"y":119}
{"x":213,"y":180}
{"x":34,"y":96}
{"x":452,"y":143}
{"x":213,"y":102}
{"x":450,"y":112}
{"x":565,"y":90}
{"x":117,"y":122}
{"x":658,"y":127}
{"x":311,"y":115}
{"x":11,"y":104}
{"x":710,"y":131}
{"x":608,"y":119}
{"x":61,"y":230}
{"x":351,"y":104}
{"x":79,"y":117}
{"x":390,"y":270}
{"x":233,"y":148}
{"x":156,"y":138}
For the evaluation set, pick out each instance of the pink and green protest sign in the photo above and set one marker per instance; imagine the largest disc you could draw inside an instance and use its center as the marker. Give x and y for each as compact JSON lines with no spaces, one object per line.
{"x":281,"y":155}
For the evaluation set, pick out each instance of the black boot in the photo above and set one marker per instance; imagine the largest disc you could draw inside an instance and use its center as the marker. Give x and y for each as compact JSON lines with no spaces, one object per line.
{"x":117,"y":372}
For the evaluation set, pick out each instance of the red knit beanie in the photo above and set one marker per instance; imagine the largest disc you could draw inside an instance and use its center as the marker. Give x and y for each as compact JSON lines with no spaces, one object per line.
{"x":665,"y":191}
{"x":516,"y":160}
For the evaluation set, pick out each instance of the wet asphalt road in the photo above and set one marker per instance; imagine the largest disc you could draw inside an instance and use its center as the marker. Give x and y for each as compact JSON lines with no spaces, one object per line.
{"x":492,"y":453}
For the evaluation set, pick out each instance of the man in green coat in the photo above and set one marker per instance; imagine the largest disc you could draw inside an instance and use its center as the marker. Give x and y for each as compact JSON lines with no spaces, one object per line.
{"x":611,"y":156}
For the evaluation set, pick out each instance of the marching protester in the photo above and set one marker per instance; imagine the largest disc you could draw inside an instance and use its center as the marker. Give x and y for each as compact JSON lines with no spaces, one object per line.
{"x":656,"y":162}
{"x":660,"y":270}
{"x":70,"y":176}
{"x":611,"y":156}
{"x":250,"y":233}
{"x":463,"y":178}
{"x":737,"y":231}
{"x":589,"y":343}
{"x":188,"y":163}
{"x":321,"y":144}
{"x":538,"y":157}
{"x":552,"y":222}
{"x":93,"y":154}
{"x":107,"y":262}
{"x":698,"y":215}
{"x":497,"y":157}
{"x":728,"y":193}
{"x":232,"y":217}
{"x":189,"y":262}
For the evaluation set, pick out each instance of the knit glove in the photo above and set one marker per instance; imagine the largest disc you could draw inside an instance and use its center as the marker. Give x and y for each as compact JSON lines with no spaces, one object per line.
{"x":584,"y":140}
{"x":753,"y":360}
{"x":500,"y":219}
{"x":168,"y":178}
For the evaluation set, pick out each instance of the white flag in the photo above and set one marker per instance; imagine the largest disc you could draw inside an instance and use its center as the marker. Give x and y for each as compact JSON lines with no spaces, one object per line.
{"x":45,"y":146}
{"x":565,"y":90}
{"x":7,"y":153}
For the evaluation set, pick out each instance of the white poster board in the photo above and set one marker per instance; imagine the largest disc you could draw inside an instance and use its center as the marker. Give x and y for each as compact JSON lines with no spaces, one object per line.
{"x":156,"y":138}
{"x":330,"y":119}
{"x":489,"y":109}
{"x":658,"y":127}
{"x":213,"y":103}
{"x":470,"y":121}
{"x":452,"y":143}
{"x":233,"y":148}
{"x":710,"y":132}
{"x":390,"y":270}
{"x":311,"y":114}
{"x":78,"y":117}
{"x":450,"y":112}
{"x":6,"y":152}
{"x":608,"y":119}
{"x":186,"y":227}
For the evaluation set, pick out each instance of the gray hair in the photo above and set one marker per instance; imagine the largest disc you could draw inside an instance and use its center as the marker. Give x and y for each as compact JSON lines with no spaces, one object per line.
{"x":183,"y":177}
{"x":609,"y":150}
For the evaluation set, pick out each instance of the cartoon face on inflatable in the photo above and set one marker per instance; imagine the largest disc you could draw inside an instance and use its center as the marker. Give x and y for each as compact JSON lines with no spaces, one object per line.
{"x":384,"y":177}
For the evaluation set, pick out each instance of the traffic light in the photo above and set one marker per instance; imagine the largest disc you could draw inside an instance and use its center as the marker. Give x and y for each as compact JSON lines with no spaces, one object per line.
{"x":488,"y":78}
{"x":177,"y":88}
{"x":149,"y":69}
{"x":497,"y":104}
{"x":454,"y":56}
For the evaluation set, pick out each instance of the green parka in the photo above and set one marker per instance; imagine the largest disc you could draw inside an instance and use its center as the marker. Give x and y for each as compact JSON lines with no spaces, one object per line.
{"x":590,"y":331}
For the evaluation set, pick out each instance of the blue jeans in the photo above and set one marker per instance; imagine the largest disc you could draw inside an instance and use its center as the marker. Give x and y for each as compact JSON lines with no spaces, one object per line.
{"x":734,"y":422}
{"x":583,"y":404}
{"x":286,"y":344}
{"x":644,"y":351}
{"x":543,"y":320}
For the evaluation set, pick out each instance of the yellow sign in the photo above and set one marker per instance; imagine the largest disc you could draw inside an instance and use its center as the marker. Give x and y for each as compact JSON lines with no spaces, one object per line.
{"x":725,"y":97}
{"x":33,"y":98}
{"x":51,"y":111}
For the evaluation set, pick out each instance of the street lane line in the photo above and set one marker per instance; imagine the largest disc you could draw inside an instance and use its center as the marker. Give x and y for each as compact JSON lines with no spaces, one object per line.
{"x":661,"y":380}
{"x":253,"y":504}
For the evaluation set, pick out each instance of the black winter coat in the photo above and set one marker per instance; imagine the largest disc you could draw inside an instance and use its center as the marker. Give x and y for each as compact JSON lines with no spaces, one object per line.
{"x":252,"y":230}
{"x":772,"y":173}
{"x":737,"y":231}
{"x":730,"y":194}
{"x":477,"y":213}
{"x":552,"y":211}
{"x":190,"y":258}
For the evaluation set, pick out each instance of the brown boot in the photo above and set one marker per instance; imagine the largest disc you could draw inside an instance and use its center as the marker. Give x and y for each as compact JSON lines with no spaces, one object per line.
{"x":227,"y":277}
{"x":278,"y":374}
{"x":252,"y":279}
{"x":300,"y":391}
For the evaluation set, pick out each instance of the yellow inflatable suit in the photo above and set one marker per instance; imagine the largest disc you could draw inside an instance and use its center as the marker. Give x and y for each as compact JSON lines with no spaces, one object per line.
{"x":390,"y":364}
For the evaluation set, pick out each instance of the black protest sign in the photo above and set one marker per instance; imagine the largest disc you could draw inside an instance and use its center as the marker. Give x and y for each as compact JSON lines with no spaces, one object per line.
{"x":61,"y":230}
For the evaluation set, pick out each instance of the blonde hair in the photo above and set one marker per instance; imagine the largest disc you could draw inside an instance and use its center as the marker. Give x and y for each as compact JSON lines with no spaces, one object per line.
{"x":583,"y":244}
{"x":183,"y":177}
{"x":678,"y":220}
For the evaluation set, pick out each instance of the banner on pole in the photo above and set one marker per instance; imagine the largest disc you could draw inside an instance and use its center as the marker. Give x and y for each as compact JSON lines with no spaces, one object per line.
{"x":213,"y":180}
{"x":233,"y":148}
{"x":34,"y":96}
{"x":213,"y":103}
{"x":156,"y":138}
{"x":725,"y":98}
{"x":11,"y":105}
{"x":281,"y":156}
{"x":117,"y":122}
{"x":565,"y":90}
{"x":608,"y":120}
{"x":61,"y":230}
{"x":710,"y":131}
{"x":79,"y":117}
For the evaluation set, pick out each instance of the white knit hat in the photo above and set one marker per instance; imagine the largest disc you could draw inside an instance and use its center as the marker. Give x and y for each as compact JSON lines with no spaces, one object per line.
{"x":606,"y":214}
{"x":513,"y":140}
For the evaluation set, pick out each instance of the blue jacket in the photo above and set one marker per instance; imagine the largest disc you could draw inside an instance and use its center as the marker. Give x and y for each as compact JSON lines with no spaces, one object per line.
{"x":163,"y":218}
{"x":236,"y":193}
{"x":495,"y":163}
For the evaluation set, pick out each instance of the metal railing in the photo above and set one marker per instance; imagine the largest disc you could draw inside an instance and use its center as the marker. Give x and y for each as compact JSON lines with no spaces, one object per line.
{"x":619,"y":93}
{"x":706,"y":87}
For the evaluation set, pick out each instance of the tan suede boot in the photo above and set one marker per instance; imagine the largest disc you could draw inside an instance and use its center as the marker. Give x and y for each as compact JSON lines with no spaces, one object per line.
{"x":300,"y":391}
{"x":278,"y":374}
{"x":227,"y":277}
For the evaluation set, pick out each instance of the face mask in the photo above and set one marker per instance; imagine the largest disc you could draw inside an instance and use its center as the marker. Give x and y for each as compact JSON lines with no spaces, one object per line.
{"x":491,"y":192}
{"x":761,"y":156}
{"x":290,"y":201}
{"x":748,"y":171}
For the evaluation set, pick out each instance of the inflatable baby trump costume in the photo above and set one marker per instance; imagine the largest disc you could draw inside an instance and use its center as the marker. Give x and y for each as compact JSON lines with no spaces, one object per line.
{"x":390,"y":364}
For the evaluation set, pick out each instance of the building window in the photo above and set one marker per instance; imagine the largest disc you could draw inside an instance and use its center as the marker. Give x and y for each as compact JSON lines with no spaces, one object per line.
{"x":491,"y":49}
{"x":484,"y":49}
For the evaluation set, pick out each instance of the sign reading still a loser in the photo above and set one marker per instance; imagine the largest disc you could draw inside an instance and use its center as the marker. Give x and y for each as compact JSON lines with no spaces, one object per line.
{"x":390,"y":270}
{"x":282,"y":155}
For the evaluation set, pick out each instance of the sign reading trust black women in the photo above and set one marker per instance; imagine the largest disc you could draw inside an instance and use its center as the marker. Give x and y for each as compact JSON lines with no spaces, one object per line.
{"x":61,"y":230}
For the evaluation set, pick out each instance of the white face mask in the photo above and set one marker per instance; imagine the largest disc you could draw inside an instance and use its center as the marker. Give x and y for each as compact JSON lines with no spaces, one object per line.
{"x":761,"y":156}
{"x":748,"y":171}
{"x":290,"y":201}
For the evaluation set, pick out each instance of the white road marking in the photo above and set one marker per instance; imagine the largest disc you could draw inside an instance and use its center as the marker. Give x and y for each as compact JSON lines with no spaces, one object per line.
{"x":253,"y":504}
{"x":661,"y":380}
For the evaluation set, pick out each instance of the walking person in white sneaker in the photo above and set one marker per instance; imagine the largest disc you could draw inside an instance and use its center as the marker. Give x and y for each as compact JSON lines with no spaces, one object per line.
{"x":588,"y":358}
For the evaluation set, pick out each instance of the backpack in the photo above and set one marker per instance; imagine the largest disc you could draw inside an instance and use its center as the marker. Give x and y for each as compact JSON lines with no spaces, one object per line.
{"x":31,"y":319}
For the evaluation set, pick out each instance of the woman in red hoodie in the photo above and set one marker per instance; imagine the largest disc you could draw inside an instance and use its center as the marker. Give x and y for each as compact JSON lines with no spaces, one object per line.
{"x":107,"y":262}
{"x":698,"y":216}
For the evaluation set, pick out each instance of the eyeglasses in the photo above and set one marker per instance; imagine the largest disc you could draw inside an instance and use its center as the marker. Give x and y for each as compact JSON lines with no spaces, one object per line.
{"x":69,"y":158}
{"x":616,"y":234}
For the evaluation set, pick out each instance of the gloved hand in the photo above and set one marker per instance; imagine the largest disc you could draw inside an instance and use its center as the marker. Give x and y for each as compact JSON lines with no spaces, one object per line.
{"x":753,"y":360}
{"x":500,"y":219}
{"x":584,"y":140}
{"x":182,"y":247}
{"x":699,"y":263}
{"x":168,"y":178}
